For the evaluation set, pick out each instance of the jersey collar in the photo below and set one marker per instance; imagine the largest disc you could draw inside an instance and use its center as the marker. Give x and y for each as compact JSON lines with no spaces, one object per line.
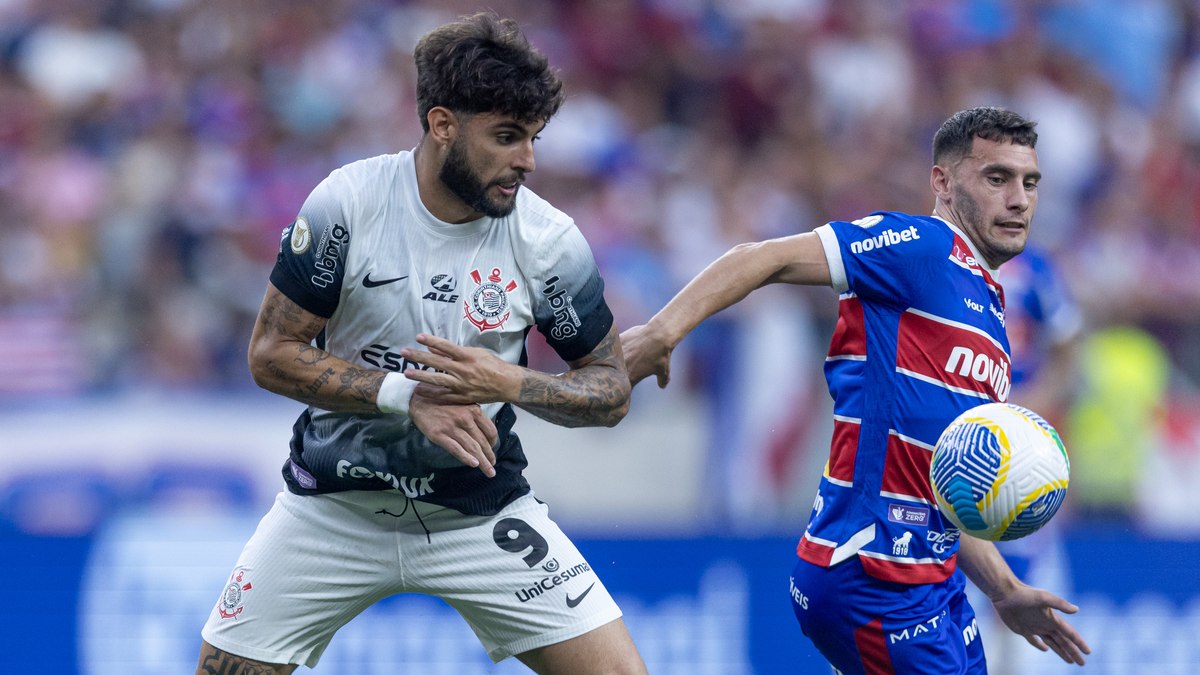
{"x":970,"y":244}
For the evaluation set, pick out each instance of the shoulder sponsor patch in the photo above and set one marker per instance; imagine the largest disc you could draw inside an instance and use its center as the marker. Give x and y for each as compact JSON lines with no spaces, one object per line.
{"x":884,"y":239}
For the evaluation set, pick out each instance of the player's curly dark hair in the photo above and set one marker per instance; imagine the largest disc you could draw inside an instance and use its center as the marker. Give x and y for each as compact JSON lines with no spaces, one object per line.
{"x":484,"y":64}
{"x":953,"y":140}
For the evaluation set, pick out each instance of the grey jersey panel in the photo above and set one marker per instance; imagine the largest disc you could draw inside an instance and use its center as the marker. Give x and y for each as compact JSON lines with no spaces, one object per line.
{"x":365,"y":253}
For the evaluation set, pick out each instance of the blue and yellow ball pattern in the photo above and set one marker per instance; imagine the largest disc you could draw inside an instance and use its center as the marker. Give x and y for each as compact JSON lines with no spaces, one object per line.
{"x":999,"y":472}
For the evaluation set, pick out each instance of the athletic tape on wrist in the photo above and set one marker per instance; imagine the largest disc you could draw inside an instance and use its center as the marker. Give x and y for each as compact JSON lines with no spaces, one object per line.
{"x":395,"y":393}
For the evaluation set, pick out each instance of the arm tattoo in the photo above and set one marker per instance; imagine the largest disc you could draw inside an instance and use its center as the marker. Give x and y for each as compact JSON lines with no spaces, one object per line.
{"x":217,"y":662}
{"x":286,"y":362}
{"x":359,"y":384}
{"x":595,"y":392}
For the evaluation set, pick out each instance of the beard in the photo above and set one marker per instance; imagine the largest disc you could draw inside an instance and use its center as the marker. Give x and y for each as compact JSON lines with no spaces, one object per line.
{"x":457,"y":175}
{"x":995,"y":251}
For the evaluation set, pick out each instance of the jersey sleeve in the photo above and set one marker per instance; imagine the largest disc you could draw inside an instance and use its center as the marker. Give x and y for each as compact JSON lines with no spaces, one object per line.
{"x":882,"y":258}
{"x":568,"y":305}
{"x":312,"y":252}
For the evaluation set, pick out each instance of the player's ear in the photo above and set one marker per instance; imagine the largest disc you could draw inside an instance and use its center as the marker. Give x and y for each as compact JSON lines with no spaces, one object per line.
{"x":443,"y":125}
{"x":939,"y":182}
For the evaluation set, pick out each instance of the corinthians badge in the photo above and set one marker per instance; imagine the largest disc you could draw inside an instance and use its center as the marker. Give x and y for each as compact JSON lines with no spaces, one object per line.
{"x":231,"y":600}
{"x":487,"y":306}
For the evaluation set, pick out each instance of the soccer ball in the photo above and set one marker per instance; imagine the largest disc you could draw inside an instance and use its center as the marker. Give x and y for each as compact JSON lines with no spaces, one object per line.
{"x":999,"y":472}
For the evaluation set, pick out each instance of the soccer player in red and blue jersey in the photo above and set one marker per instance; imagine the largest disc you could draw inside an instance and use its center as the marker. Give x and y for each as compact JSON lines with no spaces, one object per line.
{"x":920,"y":338}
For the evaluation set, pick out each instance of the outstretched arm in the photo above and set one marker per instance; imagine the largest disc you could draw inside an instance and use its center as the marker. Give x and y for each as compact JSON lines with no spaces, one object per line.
{"x":594,"y":392}
{"x":797,"y":259}
{"x":1027,"y":611}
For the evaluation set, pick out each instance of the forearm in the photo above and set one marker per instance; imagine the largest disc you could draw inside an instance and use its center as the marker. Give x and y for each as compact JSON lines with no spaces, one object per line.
{"x":795,"y":259}
{"x":726,"y":281}
{"x":596,"y":395}
{"x":283,"y":360}
{"x":313,"y":376}
{"x":985,"y":567}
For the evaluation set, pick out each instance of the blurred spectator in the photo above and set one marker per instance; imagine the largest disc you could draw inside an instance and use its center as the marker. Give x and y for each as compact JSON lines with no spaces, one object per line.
{"x":151,"y":151}
{"x":1115,"y":423}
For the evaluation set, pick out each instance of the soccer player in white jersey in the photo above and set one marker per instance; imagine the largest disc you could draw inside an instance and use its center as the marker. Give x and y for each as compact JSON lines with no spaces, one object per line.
{"x":397,"y":311}
{"x":878,"y":586}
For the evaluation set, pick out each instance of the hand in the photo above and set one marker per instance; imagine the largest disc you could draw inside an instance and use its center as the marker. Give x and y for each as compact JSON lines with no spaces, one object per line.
{"x":1029,"y":612}
{"x":646,"y":354}
{"x":463,"y":374}
{"x":461,"y":429}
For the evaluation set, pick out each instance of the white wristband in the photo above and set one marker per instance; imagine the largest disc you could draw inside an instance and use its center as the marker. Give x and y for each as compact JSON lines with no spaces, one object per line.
{"x":395,"y":393}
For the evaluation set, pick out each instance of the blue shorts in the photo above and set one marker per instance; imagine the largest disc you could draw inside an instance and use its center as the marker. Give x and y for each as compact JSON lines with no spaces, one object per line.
{"x":867,"y":626}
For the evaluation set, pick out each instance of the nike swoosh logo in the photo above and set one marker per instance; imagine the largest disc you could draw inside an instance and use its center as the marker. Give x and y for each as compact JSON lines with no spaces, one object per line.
{"x":368,"y":282}
{"x":574,"y":602}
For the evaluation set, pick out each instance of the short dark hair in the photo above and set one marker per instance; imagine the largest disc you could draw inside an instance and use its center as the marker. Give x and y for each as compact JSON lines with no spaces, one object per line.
{"x":484,"y":64}
{"x":953,"y":140}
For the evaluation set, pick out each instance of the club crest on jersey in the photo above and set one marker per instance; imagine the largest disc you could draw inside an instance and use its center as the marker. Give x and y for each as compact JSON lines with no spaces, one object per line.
{"x":487,"y":306}
{"x":233,"y":597}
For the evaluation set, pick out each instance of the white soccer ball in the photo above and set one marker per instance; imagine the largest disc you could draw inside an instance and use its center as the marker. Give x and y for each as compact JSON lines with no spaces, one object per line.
{"x":999,"y":472}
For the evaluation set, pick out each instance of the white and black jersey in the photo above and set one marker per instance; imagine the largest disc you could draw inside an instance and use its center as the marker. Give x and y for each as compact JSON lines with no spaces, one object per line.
{"x":366,"y":253}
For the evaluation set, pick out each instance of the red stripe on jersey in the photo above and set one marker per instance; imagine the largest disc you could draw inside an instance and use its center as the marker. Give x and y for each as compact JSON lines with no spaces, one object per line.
{"x":850,"y":333}
{"x":843,"y":450}
{"x":945,"y":352}
{"x":872,"y":648}
{"x":907,"y":572}
{"x":906,"y":469}
{"x":962,"y":253}
{"x":811,"y":551}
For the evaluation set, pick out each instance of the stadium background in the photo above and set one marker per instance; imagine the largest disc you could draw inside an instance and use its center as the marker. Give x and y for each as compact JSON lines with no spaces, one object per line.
{"x":152,"y":150}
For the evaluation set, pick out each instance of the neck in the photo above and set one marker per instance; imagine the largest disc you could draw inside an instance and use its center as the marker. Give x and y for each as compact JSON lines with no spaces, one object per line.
{"x":440,"y":201}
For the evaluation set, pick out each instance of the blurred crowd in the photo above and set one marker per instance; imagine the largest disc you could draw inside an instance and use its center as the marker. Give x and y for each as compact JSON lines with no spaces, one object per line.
{"x":151,"y":151}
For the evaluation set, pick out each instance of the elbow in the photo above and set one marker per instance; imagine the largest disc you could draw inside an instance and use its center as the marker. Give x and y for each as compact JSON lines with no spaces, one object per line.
{"x":620,"y":409}
{"x":259,"y":362}
{"x":618,"y":413}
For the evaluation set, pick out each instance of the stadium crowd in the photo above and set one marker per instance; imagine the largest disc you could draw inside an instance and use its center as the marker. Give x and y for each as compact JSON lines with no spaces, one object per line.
{"x":151,"y":151}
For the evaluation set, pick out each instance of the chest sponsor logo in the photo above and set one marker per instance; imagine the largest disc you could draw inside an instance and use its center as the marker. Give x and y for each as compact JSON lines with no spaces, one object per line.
{"x":487,"y":307}
{"x":960,"y":356}
{"x":387,"y":358}
{"x":885,"y":239}
{"x":981,"y":367}
{"x":566,"y":321}
{"x":443,"y":286}
{"x":908,"y":515}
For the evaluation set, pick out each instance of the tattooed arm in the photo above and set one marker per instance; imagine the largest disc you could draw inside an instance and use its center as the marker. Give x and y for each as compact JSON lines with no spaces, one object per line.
{"x":283,"y":360}
{"x":594,"y":392}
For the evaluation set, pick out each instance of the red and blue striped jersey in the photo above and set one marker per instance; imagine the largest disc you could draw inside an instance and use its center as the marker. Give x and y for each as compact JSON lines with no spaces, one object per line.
{"x":919,"y":339}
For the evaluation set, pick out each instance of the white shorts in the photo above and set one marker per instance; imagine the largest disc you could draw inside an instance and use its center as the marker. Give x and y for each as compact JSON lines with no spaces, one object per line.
{"x":316,"y":562}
